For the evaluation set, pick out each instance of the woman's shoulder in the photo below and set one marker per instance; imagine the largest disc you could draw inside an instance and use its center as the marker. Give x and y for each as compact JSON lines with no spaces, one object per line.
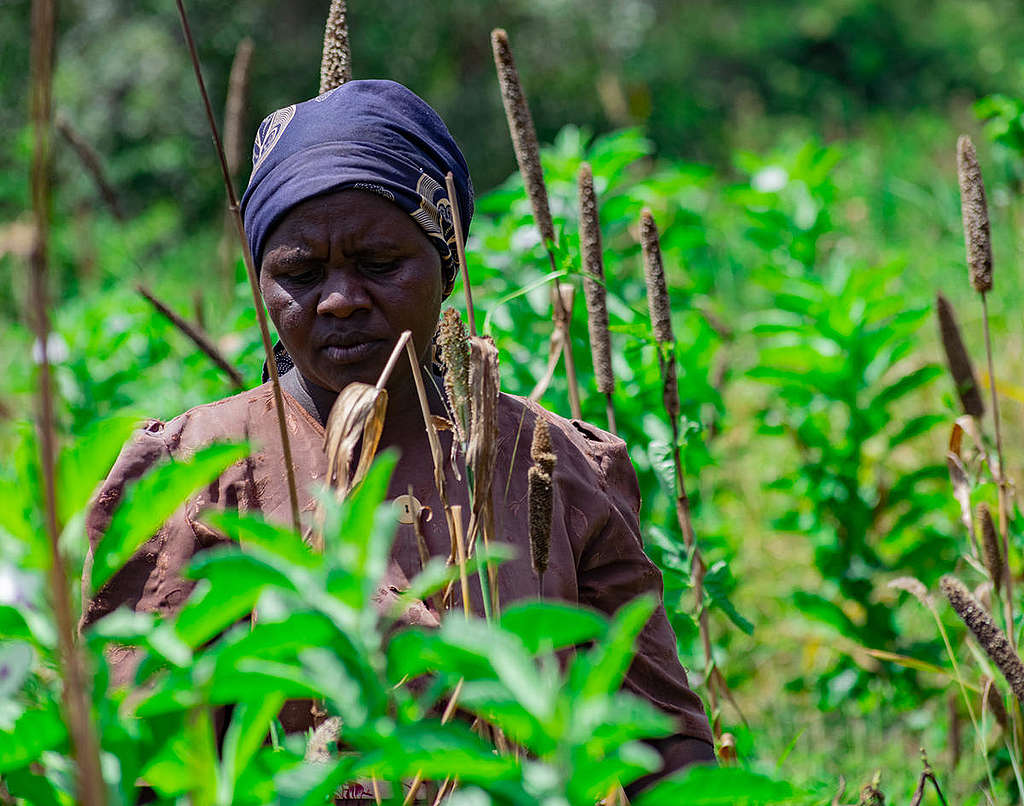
{"x":585,"y":450}
{"x":231,"y":418}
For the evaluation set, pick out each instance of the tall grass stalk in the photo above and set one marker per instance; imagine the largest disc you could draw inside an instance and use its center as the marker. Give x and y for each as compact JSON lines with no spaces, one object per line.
{"x":916,"y":588}
{"x":257,"y":297}
{"x":460,"y":248}
{"x":336,"y":63}
{"x":661,"y":324}
{"x":978,"y":243}
{"x":540,"y":500}
{"x":595,"y":291}
{"x":527,"y":150}
{"x":958,"y":360}
{"x":77,"y":686}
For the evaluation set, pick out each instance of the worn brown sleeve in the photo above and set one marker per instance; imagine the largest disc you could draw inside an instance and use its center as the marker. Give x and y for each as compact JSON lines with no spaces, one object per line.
{"x":150,"y":581}
{"x":613,"y":570}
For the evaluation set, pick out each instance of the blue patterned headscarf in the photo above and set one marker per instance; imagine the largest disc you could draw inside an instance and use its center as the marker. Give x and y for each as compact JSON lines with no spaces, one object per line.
{"x":376,"y":136}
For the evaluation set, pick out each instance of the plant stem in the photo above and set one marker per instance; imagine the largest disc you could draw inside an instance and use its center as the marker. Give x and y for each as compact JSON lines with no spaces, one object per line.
{"x":1000,"y":479}
{"x":200,"y":339}
{"x":257,"y":297}
{"x":449,"y":711}
{"x":460,"y":545}
{"x":396,"y":354}
{"x":90,"y":786}
{"x":460,"y":246}
{"x":436,"y":454}
{"x":610,"y":410}
{"x":91,"y":162}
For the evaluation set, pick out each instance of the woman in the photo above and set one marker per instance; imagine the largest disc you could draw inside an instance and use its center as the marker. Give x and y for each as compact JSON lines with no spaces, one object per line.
{"x":349,"y":223}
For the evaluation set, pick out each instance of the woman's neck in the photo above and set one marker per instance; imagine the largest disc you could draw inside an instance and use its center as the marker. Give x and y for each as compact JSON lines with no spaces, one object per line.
{"x":404,"y":418}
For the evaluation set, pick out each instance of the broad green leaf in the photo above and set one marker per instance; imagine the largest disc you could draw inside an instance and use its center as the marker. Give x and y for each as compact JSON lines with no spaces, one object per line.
{"x":551,"y":625}
{"x":601,"y":671}
{"x":250,"y":724}
{"x":718,"y":582}
{"x":34,"y":788}
{"x":151,"y":500}
{"x":233,"y":582}
{"x":905,"y":385}
{"x":821,"y":609}
{"x":251,"y":530}
{"x":716,"y":786}
{"x":35,"y":732}
{"x":84,"y":464}
{"x":13,"y":624}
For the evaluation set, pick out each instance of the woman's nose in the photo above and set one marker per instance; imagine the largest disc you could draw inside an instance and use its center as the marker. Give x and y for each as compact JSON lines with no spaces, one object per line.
{"x":342,"y":295}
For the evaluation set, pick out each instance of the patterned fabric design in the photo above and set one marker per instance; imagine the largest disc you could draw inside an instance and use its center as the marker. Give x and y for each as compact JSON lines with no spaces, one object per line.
{"x":371,"y":135}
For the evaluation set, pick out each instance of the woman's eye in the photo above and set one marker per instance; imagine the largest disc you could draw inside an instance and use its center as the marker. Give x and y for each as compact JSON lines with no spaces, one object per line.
{"x":378,"y":266}
{"x":304,"y":276}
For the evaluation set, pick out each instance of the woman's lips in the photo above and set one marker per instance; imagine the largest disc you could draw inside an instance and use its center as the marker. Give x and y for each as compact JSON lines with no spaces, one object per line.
{"x":350,"y":353}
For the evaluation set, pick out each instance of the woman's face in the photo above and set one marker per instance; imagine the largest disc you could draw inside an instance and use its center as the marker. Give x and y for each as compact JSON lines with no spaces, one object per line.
{"x":343,"y":275}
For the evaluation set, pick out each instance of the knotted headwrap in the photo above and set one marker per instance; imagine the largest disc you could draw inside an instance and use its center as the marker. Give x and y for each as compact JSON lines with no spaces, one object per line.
{"x":376,"y":136}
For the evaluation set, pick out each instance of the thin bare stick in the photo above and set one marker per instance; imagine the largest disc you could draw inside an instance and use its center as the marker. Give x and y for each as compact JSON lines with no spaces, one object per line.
{"x":234,"y":105}
{"x":436,"y":453}
{"x":92,"y":163}
{"x":396,"y":354}
{"x":460,"y":545}
{"x":527,"y":151}
{"x":200,"y":339}
{"x":89,"y":776}
{"x":460,"y":246}
{"x":250,"y":268}
{"x":449,"y":711}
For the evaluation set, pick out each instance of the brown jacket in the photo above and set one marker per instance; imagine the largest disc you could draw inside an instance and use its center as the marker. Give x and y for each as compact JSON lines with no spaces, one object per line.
{"x":597,"y":556}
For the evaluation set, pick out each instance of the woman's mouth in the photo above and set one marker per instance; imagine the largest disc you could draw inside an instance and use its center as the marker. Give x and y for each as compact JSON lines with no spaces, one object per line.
{"x":350,"y":352}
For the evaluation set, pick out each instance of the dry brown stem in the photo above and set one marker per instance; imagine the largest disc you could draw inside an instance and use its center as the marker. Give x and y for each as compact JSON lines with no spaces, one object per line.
{"x":336,"y":64}
{"x":527,"y":150}
{"x":92,"y":163}
{"x":927,"y":774}
{"x":661,"y":324}
{"x":77,"y":685}
{"x":460,"y":250}
{"x":234,"y":106}
{"x":989,"y":636}
{"x":481,"y":453}
{"x":958,"y":360}
{"x":594,"y":289}
{"x":257,"y":297}
{"x":196,"y":335}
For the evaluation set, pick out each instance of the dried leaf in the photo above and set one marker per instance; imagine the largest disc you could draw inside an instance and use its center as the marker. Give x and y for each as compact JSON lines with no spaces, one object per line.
{"x":357,"y":418}
{"x":961,"y":492}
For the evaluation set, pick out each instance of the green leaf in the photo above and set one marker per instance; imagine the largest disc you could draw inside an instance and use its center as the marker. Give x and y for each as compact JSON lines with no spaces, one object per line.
{"x":905,"y":385}
{"x":152,"y":500}
{"x":251,"y":530}
{"x":250,"y":724}
{"x":233,"y":583}
{"x":602,"y":670}
{"x":35,"y":732}
{"x":716,"y":786}
{"x":718,"y":582}
{"x":551,"y":625}
{"x":821,"y":609}
{"x":84,"y":464}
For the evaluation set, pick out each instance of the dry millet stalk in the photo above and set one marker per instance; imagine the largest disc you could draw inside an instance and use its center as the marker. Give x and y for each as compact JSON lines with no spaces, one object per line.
{"x":540,"y":497}
{"x":990,"y":637}
{"x":234,"y":106}
{"x":990,"y":547}
{"x":974,"y":211}
{"x":958,"y":360}
{"x":454,"y":343}
{"x":913,"y":586}
{"x":524,"y":135}
{"x":336,"y":64}
{"x":661,"y":309}
{"x":593,"y":282}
